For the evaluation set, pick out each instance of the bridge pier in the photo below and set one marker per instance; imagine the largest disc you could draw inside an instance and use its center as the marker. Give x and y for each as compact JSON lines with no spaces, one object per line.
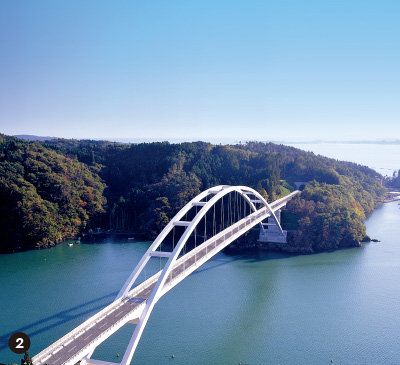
{"x":271,"y":230}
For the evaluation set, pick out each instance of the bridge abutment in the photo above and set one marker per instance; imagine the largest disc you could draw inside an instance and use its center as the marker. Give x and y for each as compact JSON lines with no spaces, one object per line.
{"x":271,"y":231}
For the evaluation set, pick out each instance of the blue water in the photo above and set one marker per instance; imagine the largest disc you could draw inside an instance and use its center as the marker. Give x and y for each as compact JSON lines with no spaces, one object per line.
{"x":380,"y":157}
{"x":260,"y":308}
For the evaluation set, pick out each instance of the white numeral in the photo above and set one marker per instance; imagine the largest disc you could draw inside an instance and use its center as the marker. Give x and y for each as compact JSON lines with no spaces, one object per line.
{"x":21,"y":341}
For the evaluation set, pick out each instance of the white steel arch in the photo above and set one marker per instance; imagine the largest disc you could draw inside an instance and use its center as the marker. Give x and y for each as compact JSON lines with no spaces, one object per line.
{"x":135,"y":305}
{"x":218,"y":192}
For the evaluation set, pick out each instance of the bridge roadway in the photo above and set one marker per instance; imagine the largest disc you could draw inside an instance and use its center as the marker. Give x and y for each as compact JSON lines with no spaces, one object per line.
{"x":69,"y":349}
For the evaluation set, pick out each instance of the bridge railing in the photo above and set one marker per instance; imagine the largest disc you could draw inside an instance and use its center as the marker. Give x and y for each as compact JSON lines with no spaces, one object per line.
{"x":216,"y":240}
{"x":41,"y":356}
{"x":72,"y":334}
{"x":282,"y":201}
{"x":113,"y":328}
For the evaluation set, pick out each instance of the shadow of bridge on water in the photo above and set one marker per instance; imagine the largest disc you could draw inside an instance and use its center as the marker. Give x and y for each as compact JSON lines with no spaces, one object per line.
{"x":43,"y":325}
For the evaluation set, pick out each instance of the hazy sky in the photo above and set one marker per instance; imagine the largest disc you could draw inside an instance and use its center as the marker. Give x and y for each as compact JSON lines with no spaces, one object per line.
{"x":200,"y":69}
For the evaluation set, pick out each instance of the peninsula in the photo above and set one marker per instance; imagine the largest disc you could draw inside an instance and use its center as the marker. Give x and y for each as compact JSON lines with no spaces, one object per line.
{"x":57,"y":189}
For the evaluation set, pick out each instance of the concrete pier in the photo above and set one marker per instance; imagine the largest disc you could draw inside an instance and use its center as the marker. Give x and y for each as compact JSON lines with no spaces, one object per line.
{"x":271,"y":231}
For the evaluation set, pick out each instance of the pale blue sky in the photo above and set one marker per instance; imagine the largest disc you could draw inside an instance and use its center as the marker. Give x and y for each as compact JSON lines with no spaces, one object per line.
{"x":266,"y":70}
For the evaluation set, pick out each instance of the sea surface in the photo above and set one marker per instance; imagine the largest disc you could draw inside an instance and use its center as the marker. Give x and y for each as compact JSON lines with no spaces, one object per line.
{"x":383,"y":158}
{"x":257,"y":308}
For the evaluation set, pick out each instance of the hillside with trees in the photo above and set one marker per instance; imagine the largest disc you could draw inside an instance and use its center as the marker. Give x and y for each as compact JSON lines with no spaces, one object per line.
{"x":329,"y":217}
{"x":45,"y":197}
{"x":139,"y":187}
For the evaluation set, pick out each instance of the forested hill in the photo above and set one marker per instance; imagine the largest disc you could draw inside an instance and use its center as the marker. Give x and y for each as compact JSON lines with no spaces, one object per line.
{"x":45,"y":197}
{"x":146,"y":184}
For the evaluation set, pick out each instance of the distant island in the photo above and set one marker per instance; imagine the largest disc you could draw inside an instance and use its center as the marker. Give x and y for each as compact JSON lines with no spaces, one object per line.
{"x":56,"y":189}
{"x":382,"y":141}
{"x":29,"y":137}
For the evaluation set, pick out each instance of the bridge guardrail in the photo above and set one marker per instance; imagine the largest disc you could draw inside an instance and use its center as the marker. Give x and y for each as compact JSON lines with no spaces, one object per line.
{"x":122,"y":319}
{"x":50,"y":349}
{"x":37,"y":359}
{"x":216,"y":240}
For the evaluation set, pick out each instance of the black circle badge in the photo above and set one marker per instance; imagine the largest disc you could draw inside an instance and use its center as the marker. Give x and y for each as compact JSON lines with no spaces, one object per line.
{"x":19,"y":342}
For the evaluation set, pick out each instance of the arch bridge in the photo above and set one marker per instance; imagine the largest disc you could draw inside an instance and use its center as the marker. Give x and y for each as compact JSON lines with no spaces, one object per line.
{"x":201,"y":229}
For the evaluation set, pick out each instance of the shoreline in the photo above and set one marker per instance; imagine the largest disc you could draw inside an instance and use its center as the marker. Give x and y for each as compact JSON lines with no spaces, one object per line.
{"x":89,"y":237}
{"x":83,"y":236}
{"x":392,"y":196}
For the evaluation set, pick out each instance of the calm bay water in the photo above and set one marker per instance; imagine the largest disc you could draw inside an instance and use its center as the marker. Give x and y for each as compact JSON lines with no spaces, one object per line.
{"x":260,"y":308}
{"x":255,"y":309}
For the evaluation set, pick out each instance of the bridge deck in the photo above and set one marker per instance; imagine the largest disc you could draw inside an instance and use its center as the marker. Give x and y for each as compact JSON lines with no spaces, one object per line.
{"x":66,"y":352}
{"x":187,"y":263}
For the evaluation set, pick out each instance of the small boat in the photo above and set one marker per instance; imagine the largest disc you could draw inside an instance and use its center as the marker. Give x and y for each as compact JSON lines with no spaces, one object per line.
{"x":131,"y":238}
{"x":70,"y":244}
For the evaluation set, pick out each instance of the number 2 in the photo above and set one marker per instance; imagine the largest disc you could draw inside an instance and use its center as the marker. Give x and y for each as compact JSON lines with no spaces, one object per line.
{"x":21,"y":341}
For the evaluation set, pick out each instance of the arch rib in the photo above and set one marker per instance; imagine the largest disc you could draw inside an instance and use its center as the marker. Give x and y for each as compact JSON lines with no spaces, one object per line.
{"x":135,"y":305}
{"x":157,"y":292}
